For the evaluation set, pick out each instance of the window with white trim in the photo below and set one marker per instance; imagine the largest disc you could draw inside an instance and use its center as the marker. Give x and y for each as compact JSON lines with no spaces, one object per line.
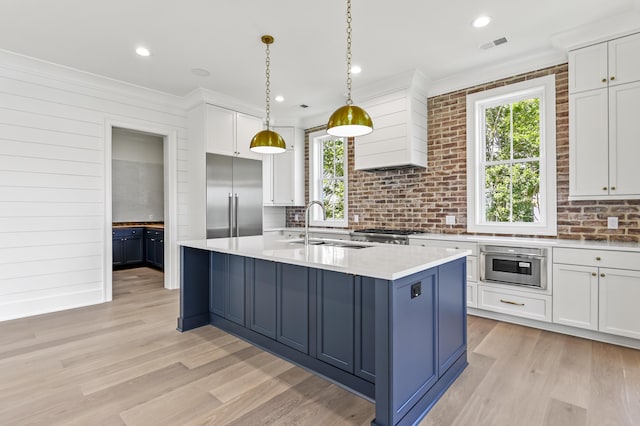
{"x":511,"y":159}
{"x":328,"y":179}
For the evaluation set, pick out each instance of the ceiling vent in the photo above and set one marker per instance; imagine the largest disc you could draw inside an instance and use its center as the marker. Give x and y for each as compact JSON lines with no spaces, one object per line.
{"x":494,"y":43}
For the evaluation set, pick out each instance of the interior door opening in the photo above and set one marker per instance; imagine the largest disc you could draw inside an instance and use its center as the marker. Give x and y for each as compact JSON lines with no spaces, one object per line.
{"x":138,"y":205}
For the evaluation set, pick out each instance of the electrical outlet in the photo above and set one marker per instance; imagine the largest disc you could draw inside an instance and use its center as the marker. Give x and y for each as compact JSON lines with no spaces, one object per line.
{"x":296,"y":217}
{"x":450,"y":220}
{"x":356,"y":218}
{"x":612,"y":222}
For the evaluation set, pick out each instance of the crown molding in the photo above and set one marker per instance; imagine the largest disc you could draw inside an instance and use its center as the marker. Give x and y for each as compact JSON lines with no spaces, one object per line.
{"x":478,"y":76}
{"x":410,"y":79}
{"x":89,"y":83}
{"x":202,"y":95}
{"x":596,"y":32}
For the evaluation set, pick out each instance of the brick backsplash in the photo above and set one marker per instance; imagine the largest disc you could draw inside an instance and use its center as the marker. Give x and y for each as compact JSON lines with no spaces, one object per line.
{"x":415,"y":198}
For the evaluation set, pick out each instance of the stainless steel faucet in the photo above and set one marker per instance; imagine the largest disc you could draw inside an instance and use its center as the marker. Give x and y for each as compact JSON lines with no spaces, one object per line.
{"x":306,"y":219}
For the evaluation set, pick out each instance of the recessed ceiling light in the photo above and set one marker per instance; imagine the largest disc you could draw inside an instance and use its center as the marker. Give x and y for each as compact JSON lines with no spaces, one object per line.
{"x":481,"y":21}
{"x":355,"y":69}
{"x":200,"y":72}
{"x":143,"y":51}
{"x":279,"y":98}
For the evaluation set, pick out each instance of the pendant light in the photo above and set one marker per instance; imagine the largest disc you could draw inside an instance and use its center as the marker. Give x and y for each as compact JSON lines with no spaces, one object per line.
{"x":267,"y":141}
{"x":349,"y":120}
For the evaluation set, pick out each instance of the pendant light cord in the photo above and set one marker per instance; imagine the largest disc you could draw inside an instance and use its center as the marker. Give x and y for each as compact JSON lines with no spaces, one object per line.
{"x":349,"y":101}
{"x":268,"y":85}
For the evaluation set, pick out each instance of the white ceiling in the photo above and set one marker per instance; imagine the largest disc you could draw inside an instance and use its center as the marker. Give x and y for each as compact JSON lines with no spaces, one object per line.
{"x":308,"y":57}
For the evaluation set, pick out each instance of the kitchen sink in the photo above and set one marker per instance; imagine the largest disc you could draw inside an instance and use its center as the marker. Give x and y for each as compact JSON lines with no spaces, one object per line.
{"x":331,"y":243}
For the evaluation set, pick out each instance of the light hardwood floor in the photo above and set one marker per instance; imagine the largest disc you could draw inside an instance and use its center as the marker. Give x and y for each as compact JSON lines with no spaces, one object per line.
{"x":124,"y":363}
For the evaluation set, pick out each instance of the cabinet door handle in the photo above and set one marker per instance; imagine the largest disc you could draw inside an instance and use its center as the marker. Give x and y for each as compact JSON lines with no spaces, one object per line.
{"x":604,"y":188}
{"x":613,"y":188}
{"x":593,"y":274}
{"x":602,"y":275}
{"x":509,"y":302}
{"x":613,"y":77}
{"x":604,"y":80}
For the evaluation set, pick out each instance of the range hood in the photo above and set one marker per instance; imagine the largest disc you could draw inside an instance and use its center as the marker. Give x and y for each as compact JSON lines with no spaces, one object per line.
{"x":398,"y":108}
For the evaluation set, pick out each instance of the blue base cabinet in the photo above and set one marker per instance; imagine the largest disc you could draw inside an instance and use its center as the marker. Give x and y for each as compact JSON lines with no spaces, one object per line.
{"x":154,"y":247}
{"x":293,"y":306}
{"x":335,"y":319}
{"x":401,"y":343}
{"x":127,"y":246}
{"x":226,"y":281}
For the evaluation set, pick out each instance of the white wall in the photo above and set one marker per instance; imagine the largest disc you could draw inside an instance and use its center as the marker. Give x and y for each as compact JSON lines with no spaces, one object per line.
{"x":53,"y":184}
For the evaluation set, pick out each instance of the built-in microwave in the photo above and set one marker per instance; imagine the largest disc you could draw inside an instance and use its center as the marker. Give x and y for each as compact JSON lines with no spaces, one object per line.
{"x":523,"y":266}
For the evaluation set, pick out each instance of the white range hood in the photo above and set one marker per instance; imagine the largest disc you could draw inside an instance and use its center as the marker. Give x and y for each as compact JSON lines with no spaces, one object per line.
{"x":398,"y":108}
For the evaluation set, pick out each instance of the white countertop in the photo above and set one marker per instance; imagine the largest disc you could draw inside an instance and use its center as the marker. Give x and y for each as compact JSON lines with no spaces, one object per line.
{"x":385,"y":261}
{"x":532,"y":242}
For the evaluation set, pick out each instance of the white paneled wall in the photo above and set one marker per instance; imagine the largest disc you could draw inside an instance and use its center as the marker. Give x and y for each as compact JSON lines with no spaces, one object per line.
{"x":53,"y":181}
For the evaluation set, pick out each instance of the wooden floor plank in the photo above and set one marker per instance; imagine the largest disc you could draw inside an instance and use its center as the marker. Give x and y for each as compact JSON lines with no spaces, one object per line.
{"x":123,"y":363}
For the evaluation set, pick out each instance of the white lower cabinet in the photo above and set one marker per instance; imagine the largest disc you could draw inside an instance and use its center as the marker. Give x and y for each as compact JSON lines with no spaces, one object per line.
{"x":575,"y":296}
{"x":472,"y":292}
{"x":588,"y":293}
{"x":619,"y":298}
{"x":514,"y":302}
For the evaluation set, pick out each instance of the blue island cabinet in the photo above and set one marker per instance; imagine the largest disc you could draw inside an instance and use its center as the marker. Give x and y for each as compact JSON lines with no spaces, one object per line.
{"x":278,"y":302}
{"x":401,"y":342}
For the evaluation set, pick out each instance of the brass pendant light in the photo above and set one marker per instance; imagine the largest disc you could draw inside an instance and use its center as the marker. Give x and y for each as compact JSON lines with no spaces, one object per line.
{"x":267,"y":141}
{"x":349,"y":120}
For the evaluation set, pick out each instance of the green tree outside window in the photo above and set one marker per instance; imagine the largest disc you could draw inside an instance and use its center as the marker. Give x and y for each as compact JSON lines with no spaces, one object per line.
{"x":512,"y":162}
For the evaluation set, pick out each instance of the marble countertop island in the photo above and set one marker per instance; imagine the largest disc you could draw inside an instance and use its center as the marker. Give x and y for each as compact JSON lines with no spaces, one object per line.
{"x":384,"y":261}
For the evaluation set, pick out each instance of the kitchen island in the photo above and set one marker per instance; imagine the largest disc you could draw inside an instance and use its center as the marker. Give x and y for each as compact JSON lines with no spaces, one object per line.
{"x":387,"y":322}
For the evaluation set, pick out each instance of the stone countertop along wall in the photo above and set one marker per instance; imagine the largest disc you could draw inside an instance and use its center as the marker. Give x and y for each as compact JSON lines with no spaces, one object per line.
{"x":415,"y":198}
{"x":159,"y":225}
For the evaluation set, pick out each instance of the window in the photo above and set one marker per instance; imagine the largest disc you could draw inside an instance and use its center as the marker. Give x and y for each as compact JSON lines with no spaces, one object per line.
{"x":511,"y":163}
{"x":328,"y":179}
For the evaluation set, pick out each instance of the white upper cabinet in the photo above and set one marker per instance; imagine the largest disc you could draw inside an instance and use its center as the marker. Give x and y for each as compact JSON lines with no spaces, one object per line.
{"x":604,"y":106}
{"x":229,"y":132}
{"x":588,"y":68}
{"x":588,"y":147}
{"x":624,"y":139}
{"x":246,"y":128}
{"x":283,"y":174}
{"x":605,"y":64}
{"x":624,"y":60}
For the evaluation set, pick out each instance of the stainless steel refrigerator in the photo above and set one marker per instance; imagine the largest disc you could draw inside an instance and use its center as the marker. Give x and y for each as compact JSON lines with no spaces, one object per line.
{"x":234,"y":196}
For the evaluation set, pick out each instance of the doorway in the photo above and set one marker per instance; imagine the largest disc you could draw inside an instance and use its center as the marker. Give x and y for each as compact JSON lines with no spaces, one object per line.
{"x":149,"y":154}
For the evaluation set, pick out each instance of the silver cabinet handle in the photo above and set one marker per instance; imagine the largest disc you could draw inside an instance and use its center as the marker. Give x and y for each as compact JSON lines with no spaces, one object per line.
{"x":230,"y":215}
{"x":509,"y":302}
{"x":236,"y":217}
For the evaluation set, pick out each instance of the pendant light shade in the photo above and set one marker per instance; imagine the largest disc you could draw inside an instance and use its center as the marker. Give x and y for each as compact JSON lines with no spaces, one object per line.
{"x":349,"y":120}
{"x":267,"y":141}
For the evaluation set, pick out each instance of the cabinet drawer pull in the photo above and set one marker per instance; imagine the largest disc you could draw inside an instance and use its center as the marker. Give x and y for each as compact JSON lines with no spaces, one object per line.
{"x":598,"y":258}
{"x":509,"y":302}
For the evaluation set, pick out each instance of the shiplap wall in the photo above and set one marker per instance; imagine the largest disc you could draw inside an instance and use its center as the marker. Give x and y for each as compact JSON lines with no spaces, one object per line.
{"x":52,"y":180}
